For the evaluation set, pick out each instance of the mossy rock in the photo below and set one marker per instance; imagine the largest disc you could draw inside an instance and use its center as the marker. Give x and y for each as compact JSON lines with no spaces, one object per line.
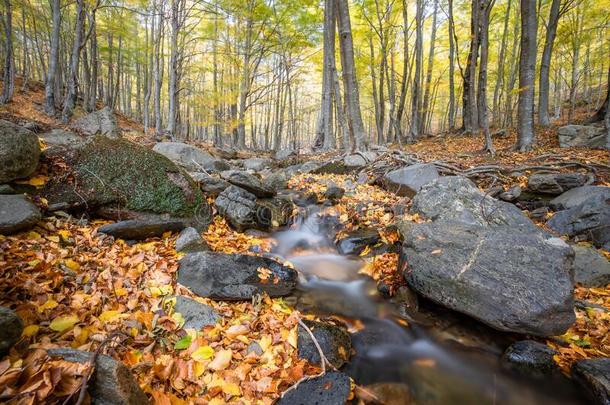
{"x":121,"y":174}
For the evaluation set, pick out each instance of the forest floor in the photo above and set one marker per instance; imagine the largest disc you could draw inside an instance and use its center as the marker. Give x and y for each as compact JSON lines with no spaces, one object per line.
{"x":76,"y":288}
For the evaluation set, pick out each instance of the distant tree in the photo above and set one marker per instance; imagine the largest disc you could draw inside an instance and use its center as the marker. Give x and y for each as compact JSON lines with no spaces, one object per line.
{"x":8,"y":75}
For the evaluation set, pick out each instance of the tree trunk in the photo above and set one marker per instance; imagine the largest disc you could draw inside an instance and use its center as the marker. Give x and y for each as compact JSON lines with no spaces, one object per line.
{"x":325,"y":121}
{"x":545,"y":65}
{"x":500,"y":69}
{"x":486,"y":6}
{"x":415,"y":127}
{"x":469,"y":112}
{"x":451,"y":112}
{"x":426,"y":105}
{"x":8,"y":76}
{"x":527,"y":70}
{"x":72,"y":85}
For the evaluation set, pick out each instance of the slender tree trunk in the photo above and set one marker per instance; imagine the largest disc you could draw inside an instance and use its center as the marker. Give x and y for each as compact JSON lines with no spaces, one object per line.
{"x":451,"y":108}
{"x":72,"y":89}
{"x":158,"y":66}
{"x":426,"y":105}
{"x":500,"y":68}
{"x":470,"y":114}
{"x":405,"y":73}
{"x":545,"y":65}
{"x":415,"y":127}
{"x":325,"y":121}
{"x":8,"y":76}
{"x":486,"y":6}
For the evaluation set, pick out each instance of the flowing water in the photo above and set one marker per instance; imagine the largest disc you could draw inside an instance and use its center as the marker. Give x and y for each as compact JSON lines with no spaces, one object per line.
{"x":399,"y":348}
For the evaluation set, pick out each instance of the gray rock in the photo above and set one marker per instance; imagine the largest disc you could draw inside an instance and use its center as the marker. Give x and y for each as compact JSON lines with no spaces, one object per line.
{"x":335,"y":166}
{"x":278,"y":180}
{"x":556,"y":183}
{"x":210,"y":185}
{"x":196,"y":315}
{"x":593,"y":375}
{"x":511,"y":195}
{"x":11,"y":328}
{"x":307,"y":167}
{"x":581,"y":136}
{"x":284,"y":154}
{"x":142,"y":229}
{"x":511,"y":280}
{"x":60,"y":137}
{"x":111,"y":383}
{"x":591,"y":219}
{"x":19,"y":152}
{"x":234,"y":277}
{"x":333,"y":340}
{"x":407,"y":181}
{"x":7,"y":189}
{"x":577,"y":196}
{"x":190,"y":240}
{"x":355,"y":242}
{"x":332,"y":388}
{"x":248,"y":182}
{"x":257,"y":164}
{"x":591,"y":269}
{"x":17,"y":213}
{"x":274,"y":212}
{"x":531,"y":359}
{"x":189,"y":157}
{"x":334,"y":193}
{"x":239,"y":207}
{"x":101,"y":122}
{"x":457,"y":198}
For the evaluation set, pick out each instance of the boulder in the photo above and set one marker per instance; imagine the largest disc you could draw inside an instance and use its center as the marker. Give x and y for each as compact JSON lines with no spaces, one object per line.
{"x":355,"y":242}
{"x":142,"y":229}
{"x":195,"y":314}
{"x":19,"y":152}
{"x":581,"y":136}
{"x":190,"y":241}
{"x":358,"y":160}
{"x":240,"y":209}
{"x":17,"y":213}
{"x":257,"y":164}
{"x":591,"y":269}
{"x":333,"y":340}
{"x":234,"y":277}
{"x":577,"y":196}
{"x":531,"y":359}
{"x":511,"y":280}
{"x":111,"y":381}
{"x":278,"y":180}
{"x":60,"y":137}
{"x":11,"y":328}
{"x":7,"y":189}
{"x":102,"y":122}
{"x":591,"y":219}
{"x":125,"y":176}
{"x":593,"y":375}
{"x":511,"y":195}
{"x":556,"y":183}
{"x":407,"y":181}
{"x":210,"y":185}
{"x":187,"y":156}
{"x":334,"y":193}
{"x":274,"y":212}
{"x":284,"y":154}
{"x":248,"y":182}
{"x":457,"y":198}
{"x":332,"y":388}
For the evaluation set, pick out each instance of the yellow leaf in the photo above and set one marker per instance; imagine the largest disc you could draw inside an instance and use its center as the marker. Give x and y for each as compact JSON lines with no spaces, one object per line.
{"x":265,"y":342}
{"x":293,"y":338}
{"x":53,"y":238}
{"x":231,"y":389}
{"x":72,"y":265}
{"x":110,"y":316}
{"x":63,"y":323}
{"x":32,"y":235}
{"x":222,"y":359}
{"x":50,"y":304}
{"x":38,"y":180}
{"x":202,"y":353}
{"x":198,"y":369}
{"x":31,"y":330}
{"x":64,"y":234}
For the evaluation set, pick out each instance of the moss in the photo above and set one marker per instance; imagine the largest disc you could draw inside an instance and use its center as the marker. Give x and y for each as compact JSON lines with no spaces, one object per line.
{"x":114,"y":171}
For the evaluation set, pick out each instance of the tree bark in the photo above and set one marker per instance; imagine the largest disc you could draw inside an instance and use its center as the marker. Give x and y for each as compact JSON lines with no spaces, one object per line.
{"x":72,"y":85}
{"x":426,"y":104}
{"x":8,"y":75}
{"x":470,"y":114}
{"x":500,"y":69}
{"x":415,"y":127}
{"x":486,"y":6}
{"x":325,"y":122}
{"x":545,"y":65}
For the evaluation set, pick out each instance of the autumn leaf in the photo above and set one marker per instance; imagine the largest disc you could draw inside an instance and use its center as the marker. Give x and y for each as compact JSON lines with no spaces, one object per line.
{"x":110,"y":316}
{"x":202,"y":353}
{"x":222,"y":359}
{"x":63,"y":323}
{"x":183,"y":343}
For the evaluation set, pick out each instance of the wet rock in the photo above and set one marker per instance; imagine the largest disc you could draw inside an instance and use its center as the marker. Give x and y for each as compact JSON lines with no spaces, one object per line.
{"x":19,"y":152}
{"x":102,"y":122}
{"x":512,"y":281}
{"x":332,"y":388}
{"x":142,"y":229}
{"x":355,"y":242}
{"x":304,"y":200}
{"x":457,"y":198}
{"x":17,"y":213}
{"x":591,"y":269}
{"x":539,"y":213}
{"x":60,"y":137}
{"x":248,"y":182}
{"x":407,"y":181}
{"x":334,"y":193}
{"x":593,"y":376}
{"x":581,"y":136}
{"x":333,"y":340}
{"x":196,"y":315}
{"x":234,"y":277}
{"x":257,"y":164}
{"x":190,"y":241}
{"x":111,"y":381}
{"x":391,"y":393}
{"x":531,"y":359}
{"x":242,"y":210}
{"x":278,"y":180}
{"x":210,"y":185}
{"x":7,"y":189}
{"x":556,"y":183}
{"x":11,"y":328}
{"x":187,"y":156}
{"x":577,"y":196}
{"x":274,"y":212}
{"x":511,"y":195}
{"x":591,"y":219}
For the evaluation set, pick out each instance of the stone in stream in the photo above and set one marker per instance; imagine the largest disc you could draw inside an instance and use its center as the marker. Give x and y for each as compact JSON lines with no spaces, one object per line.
{"x":593,"y":375}
{"x":334,"y":193}
{"x":591,"y":269}
{"x":7,"y":189}
{"x":332,"y":388}
{"x":102,"y":122}
{"x":11,"y":328}
{"x":142,"y":229}
{"x":355,"y":242}
{"x":278,"y":180}
{"x":511,"y":280}
{"x":590,"y":219}
{"x":457,"y":198}
{"x":333,"y":340}
{"x":234,"y":277}
{"x":511,"y":195}
{"x":248,"y":182}
{"x":407,"y":181}
{"x":211,"y":186}
{"x":274,"y":212}
{"x":556,"y":183}
{"x":17,"y":213}
{"x":531,"y":359}
{"x":577,"y":196}
{"x":196,"y":315}
{"x":239,"y":207}
{"x":581,"y":136}
{"x":111,"y":382}
{"x":190,"y":241}
{"x":19,"y":152}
